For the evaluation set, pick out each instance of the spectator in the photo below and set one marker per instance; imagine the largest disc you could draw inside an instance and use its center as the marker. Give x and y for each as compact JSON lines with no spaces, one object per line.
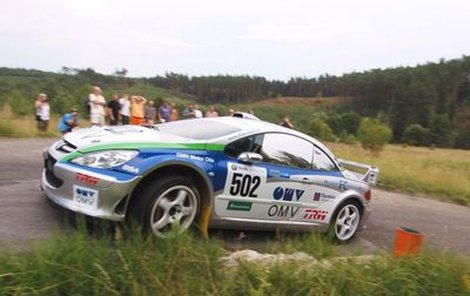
{"x":97,"y":107}
{"x":286,"y":122}
{"x":231,"y":112}
{"x":113,"y":110}
{"x":44,"y":114}
{"x":174,"y":113}
{"x":212,"y":112}
{"x":125,"y":110}
{"x":164,"y":112}
{"x":188,"y":113}
{"x":250,"y":110}
{"x":197,"y":112}
{"x":137,"y":109}
{"x":68,"y":122}
{"x":150,"y":112}
{"x":37,"y":107}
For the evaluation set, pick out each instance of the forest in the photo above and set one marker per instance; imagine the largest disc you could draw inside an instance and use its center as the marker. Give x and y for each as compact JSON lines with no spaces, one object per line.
{"x":425,"y":105}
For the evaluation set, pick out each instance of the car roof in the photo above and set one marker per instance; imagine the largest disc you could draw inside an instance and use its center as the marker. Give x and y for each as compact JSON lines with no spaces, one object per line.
{"x":248,"y":127}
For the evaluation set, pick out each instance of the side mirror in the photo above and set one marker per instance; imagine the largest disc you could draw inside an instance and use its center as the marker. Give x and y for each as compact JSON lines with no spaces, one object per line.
{"x":249,"y":157}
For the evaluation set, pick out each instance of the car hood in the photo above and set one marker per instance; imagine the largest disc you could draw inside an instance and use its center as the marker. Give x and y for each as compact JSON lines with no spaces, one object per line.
{"x":121,"y":136}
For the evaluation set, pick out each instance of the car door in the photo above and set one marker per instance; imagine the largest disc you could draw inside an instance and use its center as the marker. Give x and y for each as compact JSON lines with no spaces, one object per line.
{"x":324,"y":182}
{"x":266,"y":189}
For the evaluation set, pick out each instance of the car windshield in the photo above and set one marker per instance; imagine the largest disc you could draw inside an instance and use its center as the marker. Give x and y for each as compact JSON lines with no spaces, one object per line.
{"x":197,"y":129}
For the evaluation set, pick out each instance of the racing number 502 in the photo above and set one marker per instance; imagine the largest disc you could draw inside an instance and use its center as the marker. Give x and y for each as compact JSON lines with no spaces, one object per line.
{"x":244,"y":185}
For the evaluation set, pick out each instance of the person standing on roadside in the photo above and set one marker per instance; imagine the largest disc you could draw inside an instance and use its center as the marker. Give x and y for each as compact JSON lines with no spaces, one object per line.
{"x":286,"y":122}
{"x":137,"y":109}
{"x":68,"y":122}
{"x":188,"y":112}
{"x":174,"y":113}
{"x":125,"y":110}
{"x":150,"y":112}
{"x":212,"y":112}
{"x":44,"y":115}
{"x":37,"y":109}
{"x":113,"y":110}
{"x":164,"y":112}
{"x":197,"y":112}
{"x":97,"y":107}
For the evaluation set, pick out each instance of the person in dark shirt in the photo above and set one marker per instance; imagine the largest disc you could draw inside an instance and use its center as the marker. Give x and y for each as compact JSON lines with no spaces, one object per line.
{"x":113,"y":110}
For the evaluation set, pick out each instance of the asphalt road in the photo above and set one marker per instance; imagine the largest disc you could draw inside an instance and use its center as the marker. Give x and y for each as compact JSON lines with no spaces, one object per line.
{"x":26,"y":217}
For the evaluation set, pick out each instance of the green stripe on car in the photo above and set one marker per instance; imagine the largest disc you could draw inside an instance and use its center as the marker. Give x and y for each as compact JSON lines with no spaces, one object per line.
{"x":137,"y":146}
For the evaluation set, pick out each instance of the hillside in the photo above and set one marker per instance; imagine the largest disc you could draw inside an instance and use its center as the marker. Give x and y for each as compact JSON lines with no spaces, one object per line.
{"x":430,"y":102}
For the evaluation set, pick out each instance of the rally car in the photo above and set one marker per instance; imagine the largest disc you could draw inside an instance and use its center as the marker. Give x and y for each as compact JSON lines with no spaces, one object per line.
{"x":226,"y":172}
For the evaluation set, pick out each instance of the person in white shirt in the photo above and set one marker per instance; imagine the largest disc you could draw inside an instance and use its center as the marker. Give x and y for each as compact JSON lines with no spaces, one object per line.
{"x":44,"y":114}
{"x":197,"y":112}
{"x":125,"y":109}
{"x":97,"y":107}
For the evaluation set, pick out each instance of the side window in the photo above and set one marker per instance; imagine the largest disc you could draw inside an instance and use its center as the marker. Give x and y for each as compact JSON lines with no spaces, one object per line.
{"x":321,"y":161}
{"x":287,"y":150}
{"x":248,"y":144}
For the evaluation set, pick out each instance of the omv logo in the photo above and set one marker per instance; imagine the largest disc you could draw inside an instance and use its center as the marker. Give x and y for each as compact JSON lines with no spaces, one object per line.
{"x":287,"y":194}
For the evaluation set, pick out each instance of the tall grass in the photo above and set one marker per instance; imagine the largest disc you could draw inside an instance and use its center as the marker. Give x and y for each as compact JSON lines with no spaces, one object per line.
{"x":77,"y":264}
{"x":443,"y":173}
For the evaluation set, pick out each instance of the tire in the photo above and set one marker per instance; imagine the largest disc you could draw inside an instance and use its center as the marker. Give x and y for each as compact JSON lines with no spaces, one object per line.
{"x":167,"y":207}
{"x":346,"y":221}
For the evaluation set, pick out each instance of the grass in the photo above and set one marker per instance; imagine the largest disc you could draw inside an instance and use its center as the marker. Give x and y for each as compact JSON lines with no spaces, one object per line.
{"x":441,"y":173}
{"x":78,"y":264}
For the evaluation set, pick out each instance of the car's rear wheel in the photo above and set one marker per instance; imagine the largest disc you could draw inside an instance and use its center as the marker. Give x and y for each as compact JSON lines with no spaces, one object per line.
{"x":346,"y":221}
{"x":169,"y":206}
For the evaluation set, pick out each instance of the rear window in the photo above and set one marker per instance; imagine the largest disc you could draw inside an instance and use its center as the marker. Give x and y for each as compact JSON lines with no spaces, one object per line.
{"x":198,"y":129}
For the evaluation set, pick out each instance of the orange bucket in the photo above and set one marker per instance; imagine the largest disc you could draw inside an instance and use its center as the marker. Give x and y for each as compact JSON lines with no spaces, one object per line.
{"x":407,"y":241}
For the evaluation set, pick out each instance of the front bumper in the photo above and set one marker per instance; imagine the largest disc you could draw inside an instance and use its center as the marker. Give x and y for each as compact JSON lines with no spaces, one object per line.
{"x":110,"y":194}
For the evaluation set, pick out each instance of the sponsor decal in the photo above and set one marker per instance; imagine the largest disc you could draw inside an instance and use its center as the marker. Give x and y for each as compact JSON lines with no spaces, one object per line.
{"x":130,"y":169}
{"x":287,"y":194}
{"x":274,"y":173}
{"x":322,"y":196}
{"x":243,"y":206}
{"x":285,"y":175}
{"x":234,"y":167}
{"x":316,"y":196}
{"x":83,"y":178}
{"x":313,"y":214}
{"x":282,"y":211}
{"x":85,"y":196}
{"x":343,"y":185}
{"x":195,"y":157}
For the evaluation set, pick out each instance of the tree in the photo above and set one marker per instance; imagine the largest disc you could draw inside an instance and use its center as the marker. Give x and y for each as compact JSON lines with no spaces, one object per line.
{"x":319,"y":129}
{"x":416,"y":135}
{"x":373,"y":134}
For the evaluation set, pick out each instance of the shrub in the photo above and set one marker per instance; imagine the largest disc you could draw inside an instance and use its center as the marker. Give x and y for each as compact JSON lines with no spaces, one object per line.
{"x":319,"y":129}
{"x":416,"y":135}
{"x":373,"y":134}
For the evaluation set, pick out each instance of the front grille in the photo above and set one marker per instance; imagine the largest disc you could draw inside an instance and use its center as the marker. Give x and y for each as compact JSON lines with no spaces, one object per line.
{"x":52,"y":179}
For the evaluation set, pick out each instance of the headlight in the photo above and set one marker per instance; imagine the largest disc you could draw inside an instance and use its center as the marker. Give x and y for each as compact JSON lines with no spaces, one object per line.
{"x":105,"y":159}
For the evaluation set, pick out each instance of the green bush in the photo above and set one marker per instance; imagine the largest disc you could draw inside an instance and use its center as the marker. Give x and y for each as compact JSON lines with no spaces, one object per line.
{"x":373,"y":134}
{"x":416,"y":135}
{"x":319,"y":129}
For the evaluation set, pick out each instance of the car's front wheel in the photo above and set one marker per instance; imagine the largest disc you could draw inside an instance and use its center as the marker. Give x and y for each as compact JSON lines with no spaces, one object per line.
{"x":171,"y":205}
{"x":346,"y":221}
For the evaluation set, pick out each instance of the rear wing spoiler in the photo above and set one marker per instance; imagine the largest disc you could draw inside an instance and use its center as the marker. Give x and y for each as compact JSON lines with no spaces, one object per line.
{"x":371,"y":175}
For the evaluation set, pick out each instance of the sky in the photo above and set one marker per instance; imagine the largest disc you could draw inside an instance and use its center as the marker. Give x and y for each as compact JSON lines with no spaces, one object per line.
{"x":274,"y":39}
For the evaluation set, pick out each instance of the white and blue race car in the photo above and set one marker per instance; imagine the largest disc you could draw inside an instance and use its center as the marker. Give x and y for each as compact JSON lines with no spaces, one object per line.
{"x":224,"y":172}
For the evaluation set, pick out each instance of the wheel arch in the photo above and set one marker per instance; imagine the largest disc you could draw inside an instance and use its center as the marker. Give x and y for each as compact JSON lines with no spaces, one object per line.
{"x":350,"y":197}
{"x":191,"y":171}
